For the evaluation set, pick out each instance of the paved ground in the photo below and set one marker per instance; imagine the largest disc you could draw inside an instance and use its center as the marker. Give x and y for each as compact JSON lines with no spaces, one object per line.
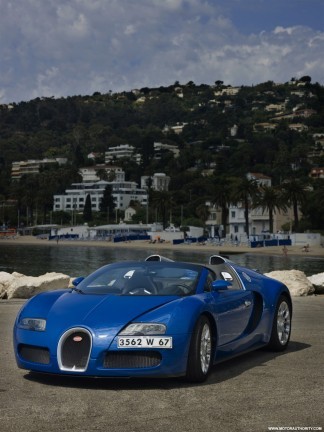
{"x":251,"y":393}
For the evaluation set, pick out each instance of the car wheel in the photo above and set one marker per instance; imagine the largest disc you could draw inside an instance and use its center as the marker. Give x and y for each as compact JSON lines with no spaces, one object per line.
{"x":281,"y":326}
{"x":200,"y":351}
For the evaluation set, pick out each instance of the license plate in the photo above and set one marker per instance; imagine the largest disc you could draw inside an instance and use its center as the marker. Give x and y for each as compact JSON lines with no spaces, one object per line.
{"x":145,"y":342}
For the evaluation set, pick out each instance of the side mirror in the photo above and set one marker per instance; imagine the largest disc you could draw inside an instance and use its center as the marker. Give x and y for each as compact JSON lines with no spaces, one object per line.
{"x":77,"y":280}
{"x":220,"y":285}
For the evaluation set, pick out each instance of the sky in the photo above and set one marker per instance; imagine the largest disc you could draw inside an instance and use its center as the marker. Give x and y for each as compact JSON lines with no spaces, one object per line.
{"x":65,"y":48}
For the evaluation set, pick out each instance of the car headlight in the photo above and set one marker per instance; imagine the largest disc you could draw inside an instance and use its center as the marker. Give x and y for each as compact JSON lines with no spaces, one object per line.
{"x":143,"y":329}
{"x":37,"y":324}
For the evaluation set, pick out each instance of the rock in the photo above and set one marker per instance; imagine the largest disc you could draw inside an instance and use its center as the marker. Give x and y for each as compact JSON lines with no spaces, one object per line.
{"x":6,"y":279}
{"x":318,"y":282}
{"x":16,"y":285}
{"x":295,"y":280}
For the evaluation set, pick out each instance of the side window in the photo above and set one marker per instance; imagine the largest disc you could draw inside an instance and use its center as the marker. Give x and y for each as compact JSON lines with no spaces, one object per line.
{"x":209,"y":280}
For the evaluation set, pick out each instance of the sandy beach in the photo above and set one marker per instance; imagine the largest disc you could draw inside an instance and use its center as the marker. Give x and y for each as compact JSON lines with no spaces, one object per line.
{"x":314,"y":251}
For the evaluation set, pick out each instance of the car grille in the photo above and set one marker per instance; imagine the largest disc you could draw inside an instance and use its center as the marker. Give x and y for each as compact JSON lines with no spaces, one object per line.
{"x":34,"y":354}
{"x":74,"y":350}
{"x":132,"y":359}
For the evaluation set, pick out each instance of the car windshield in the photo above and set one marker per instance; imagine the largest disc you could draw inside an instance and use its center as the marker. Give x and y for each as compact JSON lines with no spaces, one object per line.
{"x":143,"y":278}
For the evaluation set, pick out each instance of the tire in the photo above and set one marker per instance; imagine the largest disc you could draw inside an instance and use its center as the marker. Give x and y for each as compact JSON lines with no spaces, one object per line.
{"x":281,"y":326}
{"x":200,"y":351}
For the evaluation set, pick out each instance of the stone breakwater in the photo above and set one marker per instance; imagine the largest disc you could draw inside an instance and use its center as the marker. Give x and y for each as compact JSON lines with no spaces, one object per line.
{"x":298,"y":283}
{"x":17,"y":285}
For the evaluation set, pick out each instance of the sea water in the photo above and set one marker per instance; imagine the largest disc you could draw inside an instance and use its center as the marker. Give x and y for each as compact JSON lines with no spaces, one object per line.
{"x":33,"y":260}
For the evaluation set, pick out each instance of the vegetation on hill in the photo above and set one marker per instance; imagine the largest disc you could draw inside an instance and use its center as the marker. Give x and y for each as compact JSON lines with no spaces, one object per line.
{"x":227,"y":132}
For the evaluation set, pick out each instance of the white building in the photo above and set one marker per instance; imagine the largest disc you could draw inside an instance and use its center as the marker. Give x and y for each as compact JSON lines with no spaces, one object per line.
{"x":32,"y":166}
{"x":89,"y":174}
{"x":261,"y":179}
{"x":214,"y":221}
{"x":160,"y":148}
{"x":259,"y":222}
{"x":177,"y":129}
{"x":159,"y":182}
{"x":123,"y":192}
{"x":122,"y":151}
{"x":129,"y":213}
{"x":228,"y":91}
{"x":258,"y":217}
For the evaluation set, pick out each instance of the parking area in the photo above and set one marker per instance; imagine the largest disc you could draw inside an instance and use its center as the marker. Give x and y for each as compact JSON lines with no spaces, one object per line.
{"x":254,"y":392}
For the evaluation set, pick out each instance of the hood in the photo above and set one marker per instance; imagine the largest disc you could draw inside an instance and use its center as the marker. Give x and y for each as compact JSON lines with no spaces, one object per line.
{"x":108,"y":313}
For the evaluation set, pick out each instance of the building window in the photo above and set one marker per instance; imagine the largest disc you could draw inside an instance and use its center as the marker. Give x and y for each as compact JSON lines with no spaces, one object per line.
{"x":236,"y":229}
{"x":233,"y":214}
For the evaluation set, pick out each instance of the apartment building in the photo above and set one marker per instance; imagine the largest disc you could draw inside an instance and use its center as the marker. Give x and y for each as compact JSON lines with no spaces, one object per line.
{"x":122,"y":151}
{"x":90,"y":174}
{"x":74,"y":198}
{"x":32,"y":166}
{"x":258,"y":218}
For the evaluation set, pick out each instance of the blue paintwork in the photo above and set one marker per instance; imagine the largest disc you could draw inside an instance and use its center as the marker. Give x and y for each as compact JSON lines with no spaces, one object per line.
{"x":105,"y":315}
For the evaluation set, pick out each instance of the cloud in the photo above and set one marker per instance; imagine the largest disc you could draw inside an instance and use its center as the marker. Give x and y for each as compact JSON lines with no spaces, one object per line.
{"x":58,"y":48}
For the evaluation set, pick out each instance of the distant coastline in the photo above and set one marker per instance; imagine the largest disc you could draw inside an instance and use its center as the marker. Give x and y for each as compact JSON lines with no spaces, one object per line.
{"x":314,"y":251}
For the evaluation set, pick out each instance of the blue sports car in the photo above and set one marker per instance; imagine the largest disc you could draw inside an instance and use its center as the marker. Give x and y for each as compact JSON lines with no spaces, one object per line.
{"x":153,"y":318}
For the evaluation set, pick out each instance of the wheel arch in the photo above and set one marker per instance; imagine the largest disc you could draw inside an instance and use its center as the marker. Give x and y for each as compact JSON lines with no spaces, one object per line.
{"x":288,"y":298}
{"x":286,"y":294}
{"x":213,"y":325}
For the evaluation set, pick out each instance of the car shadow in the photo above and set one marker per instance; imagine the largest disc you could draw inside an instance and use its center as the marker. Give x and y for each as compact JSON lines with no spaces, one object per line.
{"x":242,"y":363}
{"x":221,"y":372}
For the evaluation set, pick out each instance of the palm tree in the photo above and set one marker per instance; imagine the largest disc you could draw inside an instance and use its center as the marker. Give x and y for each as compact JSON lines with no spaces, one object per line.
{"x":270,"y":199}
{"x":222,"y":197}
{"x":202,"y":212}
{"x":245,"y":191}
{"x":162,"y":201}
{"x":295,"y":192}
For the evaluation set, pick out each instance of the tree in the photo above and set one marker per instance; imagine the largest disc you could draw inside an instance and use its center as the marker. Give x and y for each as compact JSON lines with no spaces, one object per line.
{"x":219,"y":83}
{"x":87,"y":210}
{"x":222,"y":197}
{"x":107,"y":203}
{"x":202,"y":212}
{"x":270,"y":199}
{"x":162,"y":201}
{"x":102,"y":174}
{"x":305,"y":79}
{"x":245,"y":191}
{"x":295,"y":193}
{"x":313,"y":207}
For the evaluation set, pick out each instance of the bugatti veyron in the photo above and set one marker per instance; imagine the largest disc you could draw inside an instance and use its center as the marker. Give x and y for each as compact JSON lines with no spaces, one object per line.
{"x":153,"y":318}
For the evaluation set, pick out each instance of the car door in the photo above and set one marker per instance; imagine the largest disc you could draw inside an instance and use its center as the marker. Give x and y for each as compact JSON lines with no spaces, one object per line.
{"x":233,"y":308}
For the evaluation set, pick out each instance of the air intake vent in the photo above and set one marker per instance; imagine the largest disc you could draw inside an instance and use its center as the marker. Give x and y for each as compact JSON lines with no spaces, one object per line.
{"x":131,"y":360}
{"x":34,"y":354}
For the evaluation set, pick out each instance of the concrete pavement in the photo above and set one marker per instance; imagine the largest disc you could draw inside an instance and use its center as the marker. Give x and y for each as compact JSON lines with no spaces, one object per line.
{"x":251,"y":393}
